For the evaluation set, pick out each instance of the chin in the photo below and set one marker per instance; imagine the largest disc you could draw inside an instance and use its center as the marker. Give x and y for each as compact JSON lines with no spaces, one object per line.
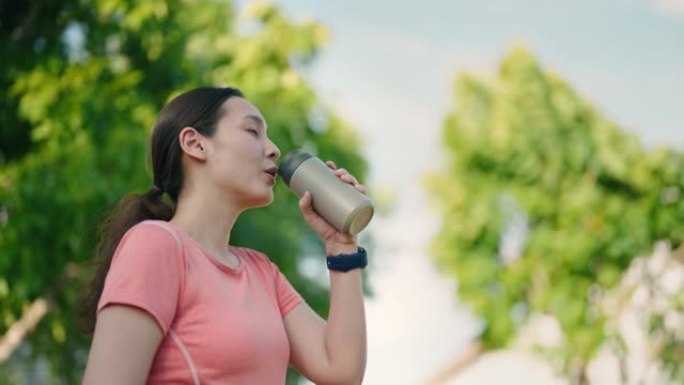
{"x":262,"y":201}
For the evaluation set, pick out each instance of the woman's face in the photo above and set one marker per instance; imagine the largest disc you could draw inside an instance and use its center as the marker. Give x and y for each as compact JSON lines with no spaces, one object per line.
{"x":241,"y":159}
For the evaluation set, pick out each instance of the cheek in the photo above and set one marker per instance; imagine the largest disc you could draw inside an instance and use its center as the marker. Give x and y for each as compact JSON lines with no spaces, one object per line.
{"x":236,"y":152}
{"x":235,"y":159}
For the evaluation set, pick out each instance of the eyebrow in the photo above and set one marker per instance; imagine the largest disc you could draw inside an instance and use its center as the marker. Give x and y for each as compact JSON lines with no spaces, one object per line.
{"x":257,"y":119}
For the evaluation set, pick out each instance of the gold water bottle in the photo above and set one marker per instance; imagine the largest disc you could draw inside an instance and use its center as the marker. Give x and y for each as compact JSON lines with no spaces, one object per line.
{"x":343,"y":206}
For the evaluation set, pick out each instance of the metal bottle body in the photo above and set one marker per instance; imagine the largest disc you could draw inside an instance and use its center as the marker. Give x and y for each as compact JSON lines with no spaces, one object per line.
{"x":338,"y":202}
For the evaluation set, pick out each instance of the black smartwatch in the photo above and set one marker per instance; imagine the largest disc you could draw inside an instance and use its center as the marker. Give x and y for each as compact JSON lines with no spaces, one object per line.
{"x":346,"y":262}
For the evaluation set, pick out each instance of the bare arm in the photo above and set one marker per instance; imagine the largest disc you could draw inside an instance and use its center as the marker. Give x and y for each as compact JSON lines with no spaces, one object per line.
{"x":124,"y":344}
{"x":332,"y":352}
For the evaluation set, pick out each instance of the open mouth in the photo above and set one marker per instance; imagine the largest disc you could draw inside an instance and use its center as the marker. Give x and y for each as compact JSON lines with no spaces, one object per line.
{"x":273,"y":171}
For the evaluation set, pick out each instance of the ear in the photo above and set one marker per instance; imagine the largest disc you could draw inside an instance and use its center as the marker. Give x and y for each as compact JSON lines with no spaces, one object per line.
{"x":192,"y":143}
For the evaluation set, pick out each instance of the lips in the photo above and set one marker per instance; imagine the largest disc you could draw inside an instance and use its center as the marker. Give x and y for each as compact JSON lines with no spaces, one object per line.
{"x":273,"y":171}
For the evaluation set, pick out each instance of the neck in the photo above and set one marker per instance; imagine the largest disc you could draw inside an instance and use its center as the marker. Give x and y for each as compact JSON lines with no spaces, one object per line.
{"x":201,"y":216}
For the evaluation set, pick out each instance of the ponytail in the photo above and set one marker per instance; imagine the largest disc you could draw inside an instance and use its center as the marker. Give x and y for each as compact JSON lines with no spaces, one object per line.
{"x":130,"y":211}
{"x":199,"y":108}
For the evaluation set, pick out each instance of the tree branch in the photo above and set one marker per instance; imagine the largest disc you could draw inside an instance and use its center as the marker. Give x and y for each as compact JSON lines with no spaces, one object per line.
{"x":466,"y":359}
{"x":19,"y":329}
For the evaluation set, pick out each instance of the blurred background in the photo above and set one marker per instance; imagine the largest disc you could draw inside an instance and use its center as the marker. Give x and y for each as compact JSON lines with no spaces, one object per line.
{"x":525,"y":157}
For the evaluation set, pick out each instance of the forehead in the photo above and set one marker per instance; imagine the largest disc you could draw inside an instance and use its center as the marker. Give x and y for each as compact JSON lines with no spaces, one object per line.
{"x":237,"y":109}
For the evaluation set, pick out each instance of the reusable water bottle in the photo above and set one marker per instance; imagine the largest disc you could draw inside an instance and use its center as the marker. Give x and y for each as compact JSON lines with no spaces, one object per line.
{"x":343,"y":206}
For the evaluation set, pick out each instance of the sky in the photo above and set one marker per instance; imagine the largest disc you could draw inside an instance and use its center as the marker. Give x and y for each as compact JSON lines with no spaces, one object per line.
{"x":388,"y":71}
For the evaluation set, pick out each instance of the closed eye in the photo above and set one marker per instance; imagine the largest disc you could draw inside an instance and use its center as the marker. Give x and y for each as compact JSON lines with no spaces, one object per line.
{"x":253,"y":131}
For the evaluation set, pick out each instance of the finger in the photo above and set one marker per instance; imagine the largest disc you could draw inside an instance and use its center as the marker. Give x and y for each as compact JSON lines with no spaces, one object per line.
{"x":341,"y":171}
{"x":317,"y":223}
{"x":361,"y":188}
{"x":305,"y":202}
{"x":331,"y":165}
{"x":349,"y":178}
{"x":306,"y":207}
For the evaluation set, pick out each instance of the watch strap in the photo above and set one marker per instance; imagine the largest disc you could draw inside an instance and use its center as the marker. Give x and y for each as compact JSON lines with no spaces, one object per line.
{"x":346,"y":262}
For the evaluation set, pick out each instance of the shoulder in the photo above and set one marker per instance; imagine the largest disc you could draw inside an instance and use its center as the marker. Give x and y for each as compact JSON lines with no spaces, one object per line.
{"x":152,"y":234}
{"x":153,"y":227}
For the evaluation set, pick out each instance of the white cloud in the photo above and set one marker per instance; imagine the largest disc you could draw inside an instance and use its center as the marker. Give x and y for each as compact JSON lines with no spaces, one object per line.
{"x":669,"y":7}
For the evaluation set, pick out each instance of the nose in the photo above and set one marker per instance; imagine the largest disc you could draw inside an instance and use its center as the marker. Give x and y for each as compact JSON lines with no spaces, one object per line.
{"x":272,"y":151}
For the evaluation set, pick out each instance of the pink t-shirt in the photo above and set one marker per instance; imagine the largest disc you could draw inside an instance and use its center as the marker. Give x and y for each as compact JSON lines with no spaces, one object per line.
{"x":220,"y":325}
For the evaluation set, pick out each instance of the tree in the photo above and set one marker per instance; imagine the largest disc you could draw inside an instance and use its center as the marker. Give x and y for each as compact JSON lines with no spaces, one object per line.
{"x":81,"y":85}
{"x":544,"y":204}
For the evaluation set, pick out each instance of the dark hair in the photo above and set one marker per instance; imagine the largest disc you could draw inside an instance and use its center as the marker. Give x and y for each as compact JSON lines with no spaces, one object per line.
{"x":199,"y":108}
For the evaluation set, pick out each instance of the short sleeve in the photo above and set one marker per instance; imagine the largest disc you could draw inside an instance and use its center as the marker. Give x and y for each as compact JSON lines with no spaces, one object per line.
{"x":146,"y":272}
{"x":287,"y":296}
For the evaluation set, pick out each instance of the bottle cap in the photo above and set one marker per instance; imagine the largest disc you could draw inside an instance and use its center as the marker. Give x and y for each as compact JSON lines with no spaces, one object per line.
{"x":290,"y":163}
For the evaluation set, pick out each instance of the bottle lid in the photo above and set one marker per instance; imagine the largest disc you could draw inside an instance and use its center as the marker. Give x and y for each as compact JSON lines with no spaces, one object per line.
{"x":290,"y":163}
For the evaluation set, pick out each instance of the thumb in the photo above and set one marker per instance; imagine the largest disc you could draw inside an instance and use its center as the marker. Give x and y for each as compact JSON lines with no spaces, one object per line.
{"x":317,"y":223}
{"x":305,"y":202}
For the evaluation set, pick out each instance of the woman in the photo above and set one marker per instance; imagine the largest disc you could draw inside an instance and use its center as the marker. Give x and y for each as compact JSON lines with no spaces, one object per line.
{"x":176,"y":304}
